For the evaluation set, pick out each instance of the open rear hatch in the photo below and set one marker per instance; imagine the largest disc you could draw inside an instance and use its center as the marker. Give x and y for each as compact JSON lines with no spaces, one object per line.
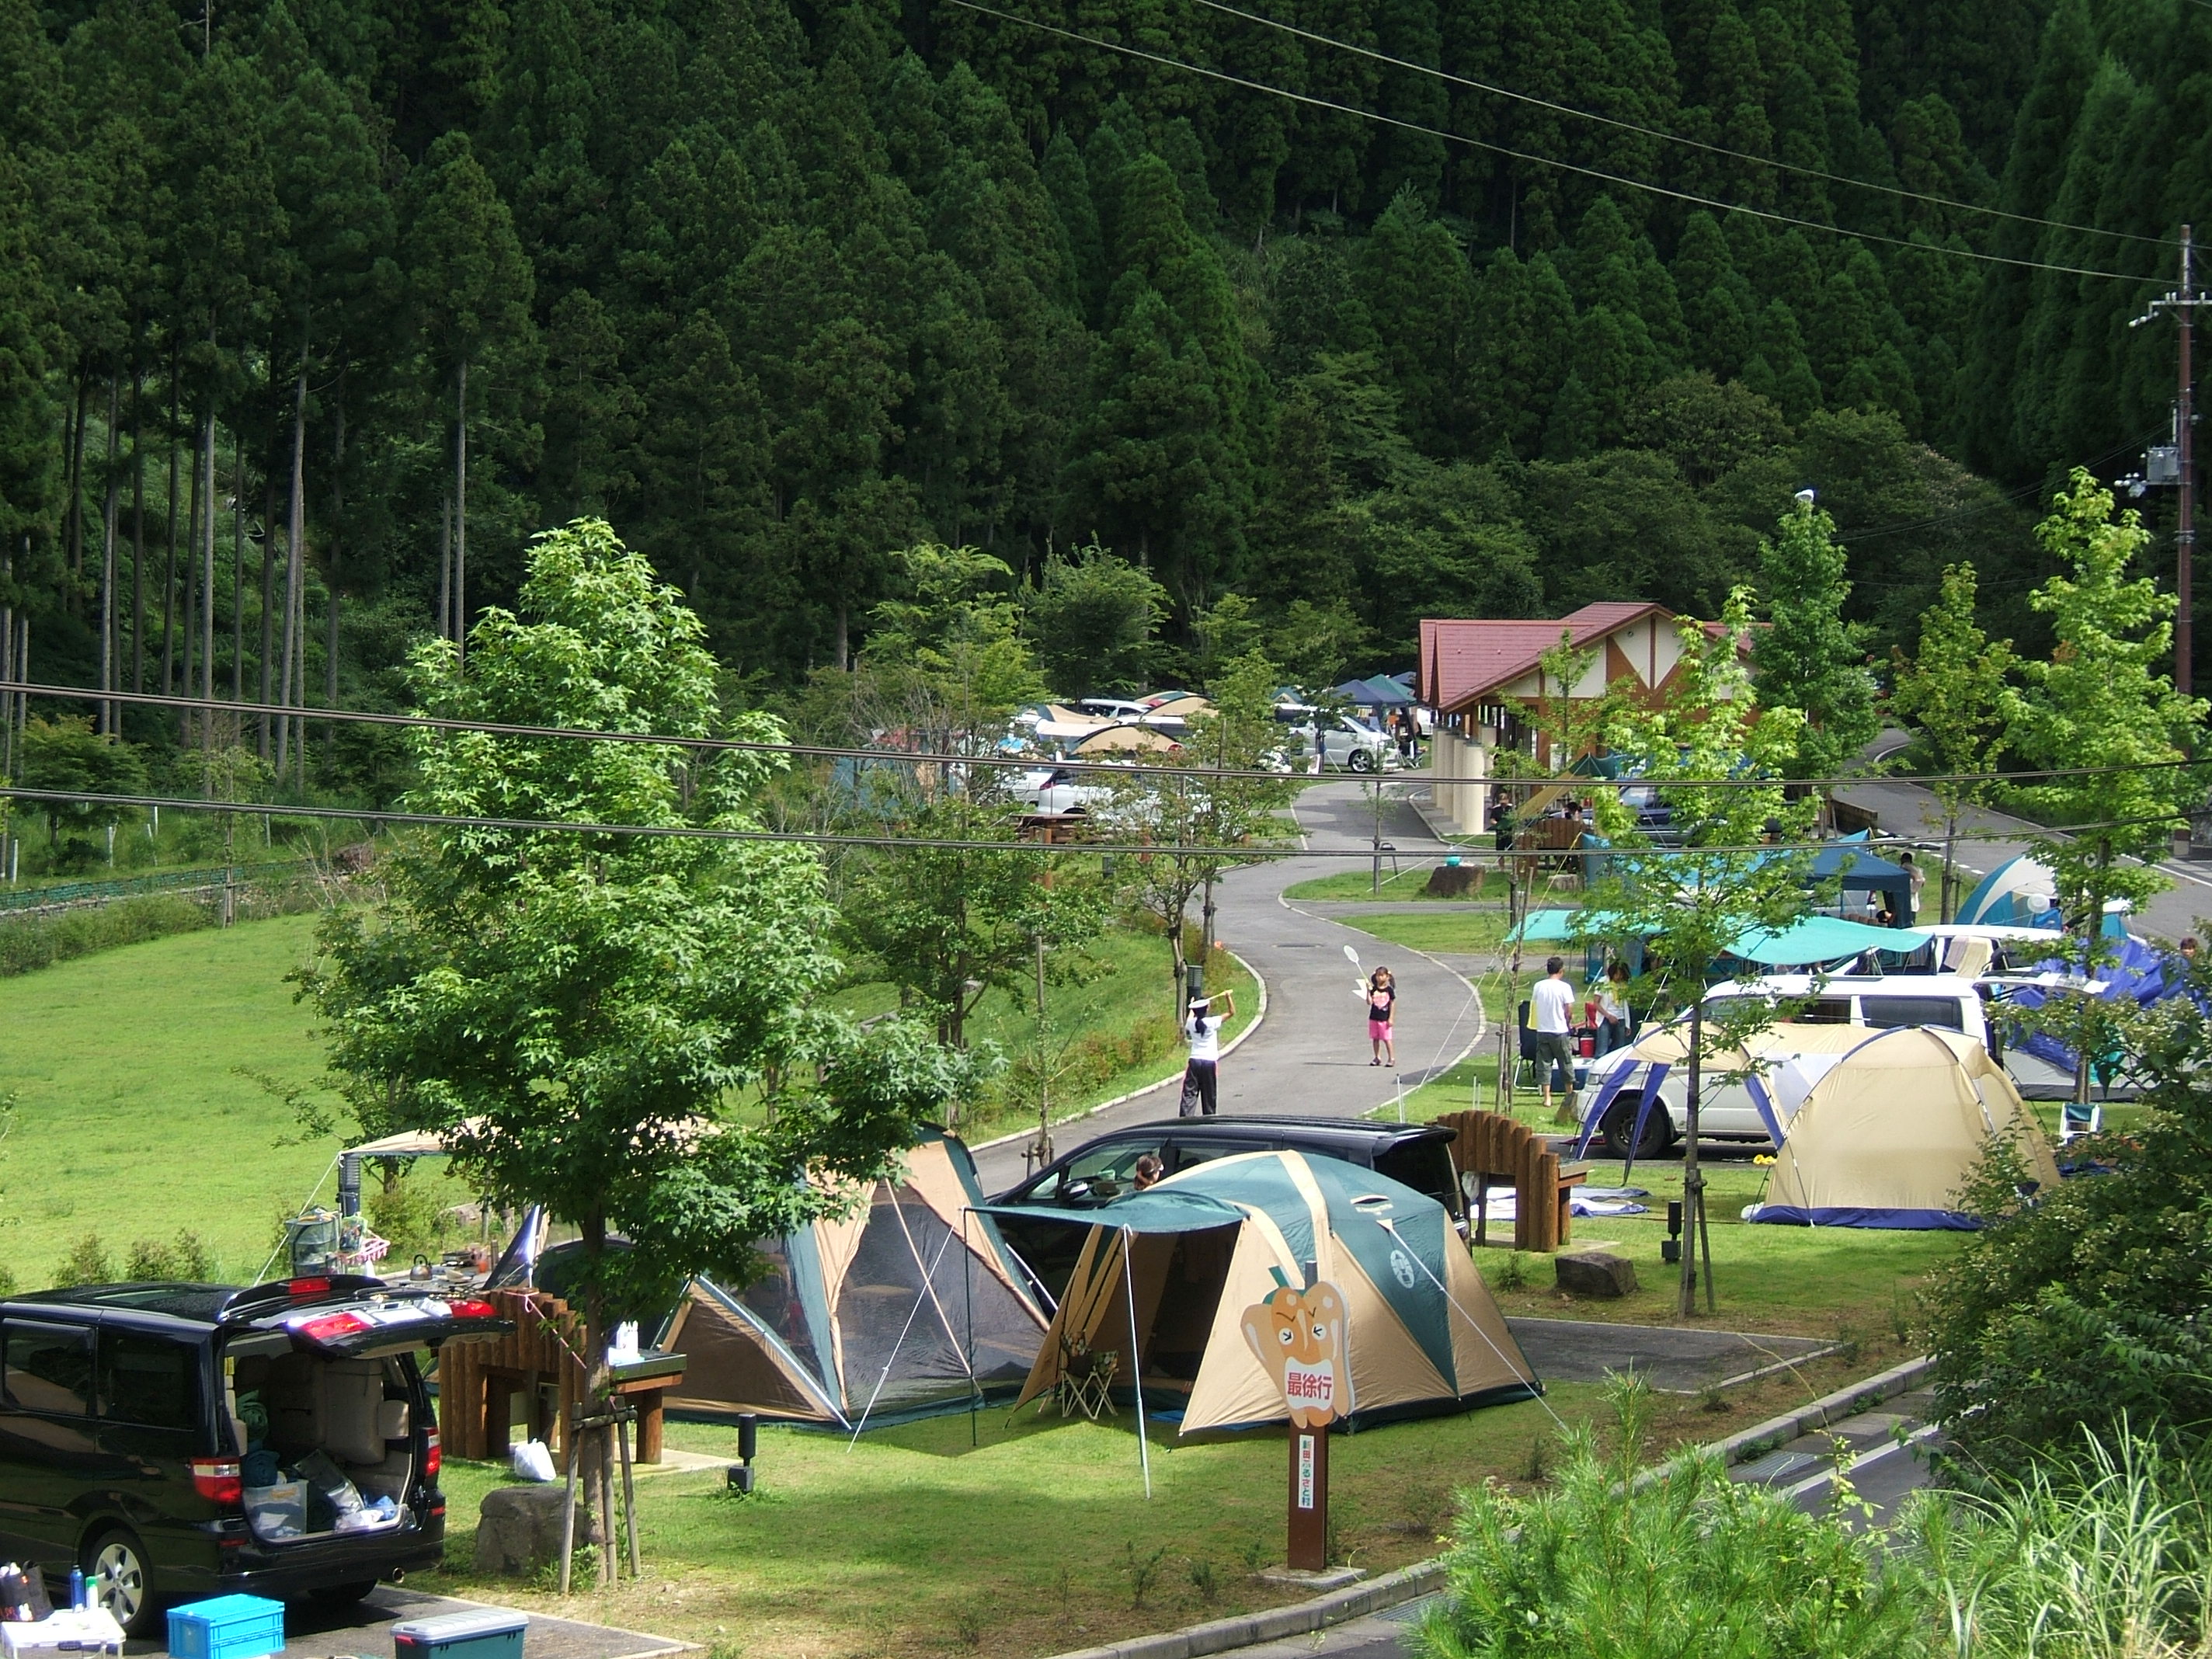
{"x":323,"y":1394}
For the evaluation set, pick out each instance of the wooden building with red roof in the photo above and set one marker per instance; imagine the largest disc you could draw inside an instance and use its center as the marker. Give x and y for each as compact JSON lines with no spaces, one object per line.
{"x":1474,"y":673}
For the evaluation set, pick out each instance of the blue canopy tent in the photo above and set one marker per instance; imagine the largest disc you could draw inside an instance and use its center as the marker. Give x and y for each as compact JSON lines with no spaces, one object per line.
{"x":1374,"y":695}
{"x":1811,"y":941}
{"x":1860,"y":869}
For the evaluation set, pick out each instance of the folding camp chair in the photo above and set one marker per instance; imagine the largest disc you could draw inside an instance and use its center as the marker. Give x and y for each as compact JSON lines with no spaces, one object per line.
{"x":2076,"y":1119}
{"x":1528,"y":1068}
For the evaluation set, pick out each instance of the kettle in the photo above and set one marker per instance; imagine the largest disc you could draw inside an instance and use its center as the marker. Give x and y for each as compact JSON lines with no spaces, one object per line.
{"x":421,"y":1268}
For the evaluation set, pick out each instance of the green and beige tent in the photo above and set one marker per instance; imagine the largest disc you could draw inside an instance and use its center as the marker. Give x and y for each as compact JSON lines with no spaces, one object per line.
{"x":911,"y":1305}
{"x":1165,"y":1275}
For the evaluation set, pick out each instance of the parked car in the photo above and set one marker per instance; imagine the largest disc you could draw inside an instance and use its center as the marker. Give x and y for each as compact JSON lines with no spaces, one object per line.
{"x":1049,"y":790}
{"x":124,"y":1426}
{"x":1878,"y":1002}
{"x":1343,"y":740}
{"x":1417,"y":1155}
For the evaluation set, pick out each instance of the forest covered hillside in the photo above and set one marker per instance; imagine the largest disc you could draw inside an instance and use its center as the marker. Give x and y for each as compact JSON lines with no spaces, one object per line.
{"x":311,"y":314}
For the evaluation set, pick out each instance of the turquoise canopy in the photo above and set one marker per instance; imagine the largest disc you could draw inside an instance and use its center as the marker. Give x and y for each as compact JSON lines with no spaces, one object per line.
{"x":1813,"y":938}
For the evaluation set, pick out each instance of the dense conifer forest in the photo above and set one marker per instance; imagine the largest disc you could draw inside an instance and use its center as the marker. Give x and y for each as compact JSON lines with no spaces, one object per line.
{"x":311,"y":313}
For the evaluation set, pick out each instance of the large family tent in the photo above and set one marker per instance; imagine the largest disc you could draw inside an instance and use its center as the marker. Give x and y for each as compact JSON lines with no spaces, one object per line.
{"x":1889,"y":1136}
{"x":1169,"y":1271}
{"x":909,"y":1305}
{"x":1779,"y":1065}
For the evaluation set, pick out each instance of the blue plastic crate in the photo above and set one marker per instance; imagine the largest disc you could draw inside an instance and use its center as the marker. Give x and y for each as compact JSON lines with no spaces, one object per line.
{"x":226,"y":1627}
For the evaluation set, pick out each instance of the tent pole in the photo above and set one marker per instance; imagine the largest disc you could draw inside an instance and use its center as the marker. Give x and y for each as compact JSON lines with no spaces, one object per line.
{"x":1136,"y":1370}
{"x":968,"y":1290}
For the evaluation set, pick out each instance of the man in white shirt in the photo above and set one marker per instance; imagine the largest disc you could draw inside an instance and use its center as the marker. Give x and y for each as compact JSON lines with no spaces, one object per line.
{"x":1202,"y":1027}
{"x":1550,"y":1012}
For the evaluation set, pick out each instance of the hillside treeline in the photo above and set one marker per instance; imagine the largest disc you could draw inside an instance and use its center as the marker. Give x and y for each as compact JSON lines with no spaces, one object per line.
{"x":310,"y":314}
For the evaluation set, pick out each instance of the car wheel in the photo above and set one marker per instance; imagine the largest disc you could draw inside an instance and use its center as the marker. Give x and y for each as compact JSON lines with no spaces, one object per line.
{"x":1620,"y":1123}
{"x":125,"y":1580}
{"x":1361,"y":761}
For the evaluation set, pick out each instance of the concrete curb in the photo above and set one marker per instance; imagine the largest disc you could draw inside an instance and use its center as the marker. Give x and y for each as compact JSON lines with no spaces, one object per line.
{"x":1423,"y":1577}
{"x":1228,"y":1048}
{"x":1299,"y":1619}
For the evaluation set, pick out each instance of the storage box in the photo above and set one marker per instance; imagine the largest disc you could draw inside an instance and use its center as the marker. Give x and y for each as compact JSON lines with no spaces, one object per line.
{"x":486,"y":1633}
{"x":226,"y":1627}
{"x":89,"y":1630}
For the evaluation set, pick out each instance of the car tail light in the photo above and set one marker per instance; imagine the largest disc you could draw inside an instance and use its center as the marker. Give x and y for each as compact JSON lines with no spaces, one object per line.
{"x":307,"y":1287}
{"x":473,"y":1306}
{"x":333,"y":1325}
{"x":217,"y":1479}
{"x":433,"y":1457}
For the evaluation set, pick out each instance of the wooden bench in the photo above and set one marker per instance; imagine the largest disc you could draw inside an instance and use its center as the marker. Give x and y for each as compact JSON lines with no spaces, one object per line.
{"x":1491,"y":1150}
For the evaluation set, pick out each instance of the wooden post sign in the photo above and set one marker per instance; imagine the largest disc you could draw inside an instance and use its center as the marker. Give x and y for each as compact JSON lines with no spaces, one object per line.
{"x":1299,"y":1337}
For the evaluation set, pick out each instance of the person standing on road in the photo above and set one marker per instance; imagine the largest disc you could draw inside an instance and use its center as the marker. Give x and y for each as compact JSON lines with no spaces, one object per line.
{"x":1551,"y":1008}
{"x":1202,"y":1027}
{"x":1382,"y":1010}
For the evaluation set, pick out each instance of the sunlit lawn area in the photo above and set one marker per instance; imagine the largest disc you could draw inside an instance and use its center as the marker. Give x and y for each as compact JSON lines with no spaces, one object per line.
{"x":1408,"y":881}
{"x":1032,"y":1542}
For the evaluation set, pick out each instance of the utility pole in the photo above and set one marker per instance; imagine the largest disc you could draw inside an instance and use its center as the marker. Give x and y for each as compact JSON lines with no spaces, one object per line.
{"x":2182,"y":302}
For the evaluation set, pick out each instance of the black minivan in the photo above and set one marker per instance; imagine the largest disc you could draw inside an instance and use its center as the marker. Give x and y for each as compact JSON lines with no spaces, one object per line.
{"x":133,"y":1416}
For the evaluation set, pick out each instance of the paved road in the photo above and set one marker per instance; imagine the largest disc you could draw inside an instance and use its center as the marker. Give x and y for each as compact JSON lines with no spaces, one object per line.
{"x":1908,"y":810}
{"x":1308,"y":1057}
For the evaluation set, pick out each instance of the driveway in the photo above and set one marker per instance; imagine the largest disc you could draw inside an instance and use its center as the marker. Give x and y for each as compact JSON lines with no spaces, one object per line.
{"x":1309,"y":1057}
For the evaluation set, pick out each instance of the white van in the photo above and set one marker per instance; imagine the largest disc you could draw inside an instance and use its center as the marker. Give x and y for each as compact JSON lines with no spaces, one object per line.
{"x":1726,"y":1111}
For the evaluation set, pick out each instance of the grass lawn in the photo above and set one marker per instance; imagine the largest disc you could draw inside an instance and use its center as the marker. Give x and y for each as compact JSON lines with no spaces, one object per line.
{"x":914,"y":1543}
{"x":1409,"y":881}
{"x":132,"y":1119}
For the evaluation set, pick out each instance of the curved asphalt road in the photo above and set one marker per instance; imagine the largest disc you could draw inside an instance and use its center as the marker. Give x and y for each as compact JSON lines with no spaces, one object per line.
{"x":1308,"y":1057}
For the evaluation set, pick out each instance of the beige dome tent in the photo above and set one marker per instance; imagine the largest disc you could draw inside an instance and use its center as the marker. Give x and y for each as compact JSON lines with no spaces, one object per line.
{"x":1889,"y":1136}
{"x":1166,"y":1273}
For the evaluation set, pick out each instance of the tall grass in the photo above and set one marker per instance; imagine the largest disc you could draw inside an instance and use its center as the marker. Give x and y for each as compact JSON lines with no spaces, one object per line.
{"x":2109,"y":1557}
{"x":2106,"y":1555}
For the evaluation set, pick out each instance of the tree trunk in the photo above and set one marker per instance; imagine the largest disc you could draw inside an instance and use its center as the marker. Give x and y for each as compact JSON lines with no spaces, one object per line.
{"x":268,"y":603}
{"x":109,"y":506}
{"x":207,"y":577}
{"x":188,"y":597}
{"x":73,"y":525}
{"x":169,"y":563}
{"x":1693,"y":1181}
{"x":446,"y":567}
{"x":295,"y":530}
{"x":137,"y":526}
{"x":238,"y":565}
{"x":461,"y":514}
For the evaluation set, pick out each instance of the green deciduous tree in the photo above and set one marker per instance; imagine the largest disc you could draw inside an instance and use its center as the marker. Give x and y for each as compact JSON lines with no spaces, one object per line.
{"x":1952,"y":689}
{"x":1091,"y":619}
{"x":1808,"y":658}
{"x":583,"y":1016}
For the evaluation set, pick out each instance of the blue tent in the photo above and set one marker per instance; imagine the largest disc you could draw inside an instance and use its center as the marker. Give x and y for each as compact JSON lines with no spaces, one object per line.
{"x":1377,"y":693}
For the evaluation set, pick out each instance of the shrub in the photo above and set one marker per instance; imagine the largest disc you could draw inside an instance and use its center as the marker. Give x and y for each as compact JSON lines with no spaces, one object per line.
{"x":185,"y":1257}
{"x":1684,"y":1562}
{"x":37,"y":942}
{"x":2082,"y":1306}
{"x":87,"y":1263}
{"x":411,"y":1216}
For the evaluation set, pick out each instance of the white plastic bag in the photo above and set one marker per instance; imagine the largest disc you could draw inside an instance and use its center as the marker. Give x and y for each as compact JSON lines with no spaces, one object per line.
{"x":532,"y":1462}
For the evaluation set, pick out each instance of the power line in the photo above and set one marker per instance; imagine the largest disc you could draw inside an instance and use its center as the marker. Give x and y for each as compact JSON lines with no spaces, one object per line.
{"x":940,"y":843}
{"x":1194,"y":770}
{"x":1539,"y":160}
{"x":1671,"y":137}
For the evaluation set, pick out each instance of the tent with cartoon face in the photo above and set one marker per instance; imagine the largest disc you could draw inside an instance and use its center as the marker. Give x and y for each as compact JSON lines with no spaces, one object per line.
{"x":1167,"y":1275}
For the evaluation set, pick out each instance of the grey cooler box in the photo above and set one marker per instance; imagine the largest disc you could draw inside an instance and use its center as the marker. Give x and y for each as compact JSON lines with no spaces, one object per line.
{"x":485,"y":1633}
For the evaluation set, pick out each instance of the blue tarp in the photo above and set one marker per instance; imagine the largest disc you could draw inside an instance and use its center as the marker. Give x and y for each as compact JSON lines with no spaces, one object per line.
{"x":2141,"y":974}
{"x":1814,"y":939}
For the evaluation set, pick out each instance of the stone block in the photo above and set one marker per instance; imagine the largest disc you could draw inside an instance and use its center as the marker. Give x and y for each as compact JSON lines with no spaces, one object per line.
{"x":519,"y":1529}
{"x":1595,"y":1272}
{"x":1454,"y":880}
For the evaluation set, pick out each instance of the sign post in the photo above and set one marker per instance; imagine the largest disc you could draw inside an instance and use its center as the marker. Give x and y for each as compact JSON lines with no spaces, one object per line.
{"x":1299,"y":1338}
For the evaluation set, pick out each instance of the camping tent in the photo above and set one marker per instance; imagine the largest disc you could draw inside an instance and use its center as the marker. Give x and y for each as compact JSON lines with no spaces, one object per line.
{"x":1115,"y":739}
{"x":1779,"y":1065}
{"x":1889,"y":1136}
{"x":909,"y":1305}
{"x":2022,"y":891}
{"x":1169,"y":1272}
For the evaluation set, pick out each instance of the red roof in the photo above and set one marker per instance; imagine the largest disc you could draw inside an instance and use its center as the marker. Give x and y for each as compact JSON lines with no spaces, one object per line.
{"x":1463,"y":661}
